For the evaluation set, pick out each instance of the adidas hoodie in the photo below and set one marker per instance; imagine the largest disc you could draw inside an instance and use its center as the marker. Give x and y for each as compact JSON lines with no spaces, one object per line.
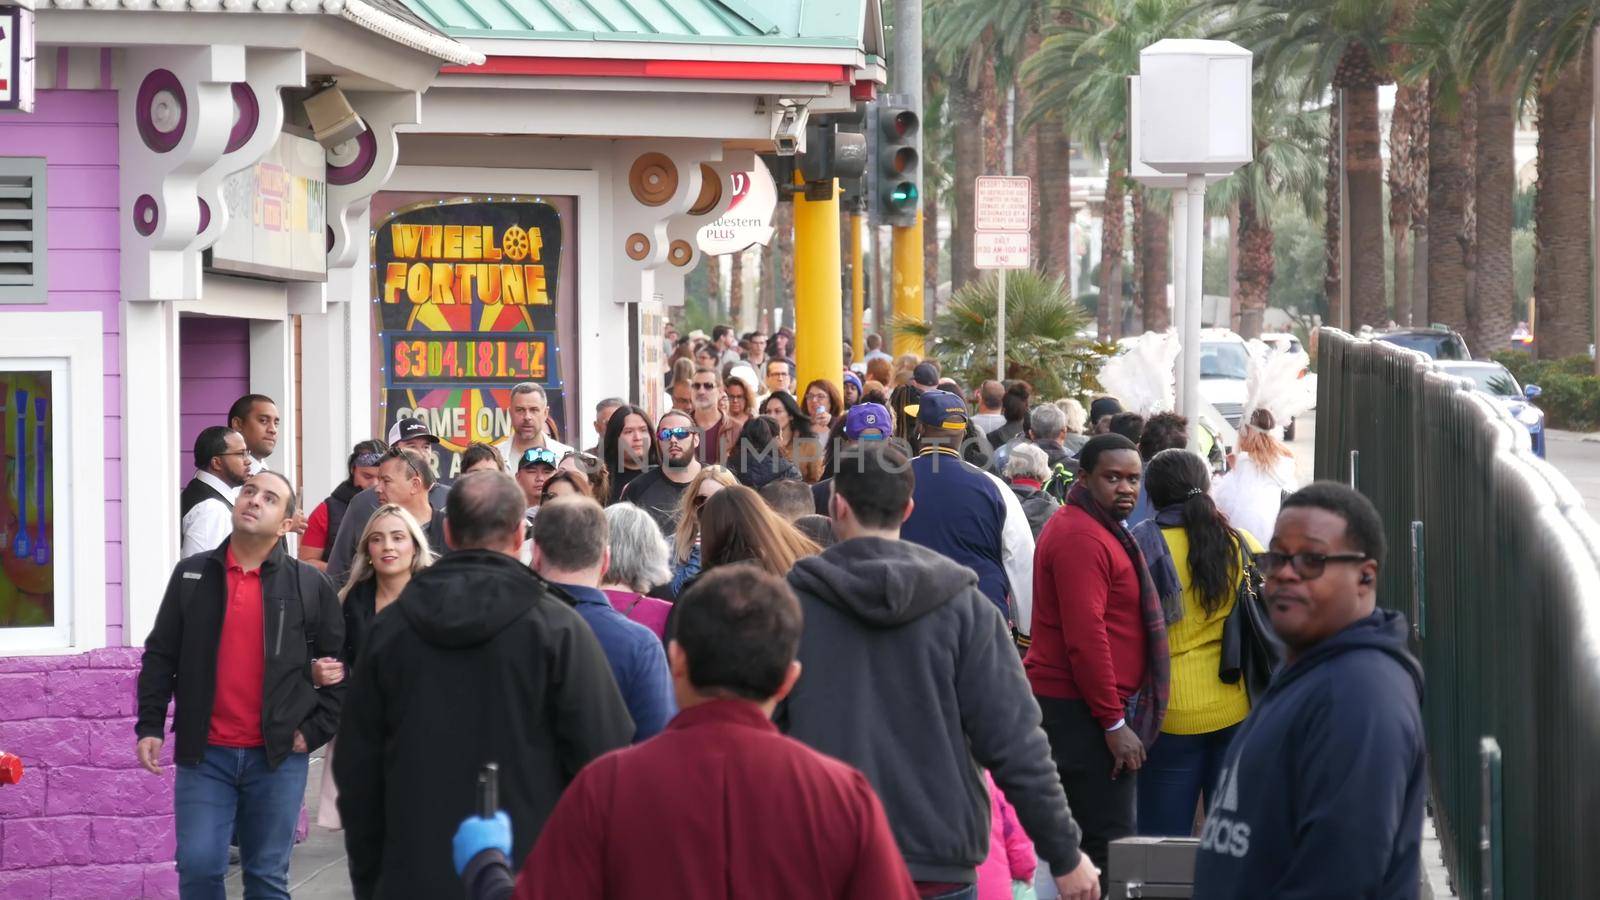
{"x":1321,"y":792}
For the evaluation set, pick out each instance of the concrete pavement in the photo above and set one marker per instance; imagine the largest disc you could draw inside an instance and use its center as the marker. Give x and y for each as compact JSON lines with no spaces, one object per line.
{"x":1577,"y":456}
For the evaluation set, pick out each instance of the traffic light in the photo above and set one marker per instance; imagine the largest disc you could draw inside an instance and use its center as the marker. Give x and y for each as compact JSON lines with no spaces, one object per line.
{"x":832,"y":151}
{"x":899,"y":162}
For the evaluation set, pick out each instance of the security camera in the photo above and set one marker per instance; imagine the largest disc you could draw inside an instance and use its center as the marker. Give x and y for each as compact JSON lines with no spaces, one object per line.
{"x":333,"y":120}
{"x":791,"y":125}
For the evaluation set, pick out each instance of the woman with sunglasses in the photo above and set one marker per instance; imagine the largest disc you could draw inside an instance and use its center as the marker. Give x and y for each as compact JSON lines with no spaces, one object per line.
{"x":686,"y":539}
{"x":739,"y":388}
{"x":658,"y":491}
{"x":1197,"y":560}
{"x":628,"y":448}
{"x":323,"y":525}
{"x":392,"y":548}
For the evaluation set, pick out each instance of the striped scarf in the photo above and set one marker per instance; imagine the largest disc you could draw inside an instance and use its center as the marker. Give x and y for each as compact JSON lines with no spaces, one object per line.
{"x":1148,"y":706}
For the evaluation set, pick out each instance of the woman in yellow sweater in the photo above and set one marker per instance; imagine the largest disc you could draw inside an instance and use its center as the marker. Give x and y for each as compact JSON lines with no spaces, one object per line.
{"x":1197,"y":562}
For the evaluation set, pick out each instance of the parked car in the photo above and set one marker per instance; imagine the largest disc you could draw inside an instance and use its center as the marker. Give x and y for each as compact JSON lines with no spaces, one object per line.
{"x":1434,"y":343}
{"x":1284,"y":342}
{"x":1224,"y":368}
{"x":1495,"y":380}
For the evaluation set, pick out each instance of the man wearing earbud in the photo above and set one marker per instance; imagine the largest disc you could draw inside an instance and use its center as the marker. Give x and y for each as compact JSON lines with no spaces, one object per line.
{"x":1321,"y":790}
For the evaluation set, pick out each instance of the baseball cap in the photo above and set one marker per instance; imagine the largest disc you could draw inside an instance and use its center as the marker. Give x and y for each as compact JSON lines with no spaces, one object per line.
{"x":864,"y":417}
{"x":940,"y":408}
{"x":537,"y":456}
{"x":926,"y":374}
{"x":407,"y":429}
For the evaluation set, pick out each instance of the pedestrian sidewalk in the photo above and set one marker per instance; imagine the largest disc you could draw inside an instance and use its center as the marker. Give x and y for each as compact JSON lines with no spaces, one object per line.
{"x":318,"y":870}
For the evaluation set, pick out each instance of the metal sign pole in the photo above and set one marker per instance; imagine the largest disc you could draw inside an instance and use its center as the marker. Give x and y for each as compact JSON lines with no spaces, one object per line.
{"x":1000,"y":327}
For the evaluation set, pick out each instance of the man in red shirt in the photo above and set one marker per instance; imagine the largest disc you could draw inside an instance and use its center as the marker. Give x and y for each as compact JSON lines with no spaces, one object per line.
{"x":232,"y":642}
{"x":720,"y":805}
{"x":1088,"y":656}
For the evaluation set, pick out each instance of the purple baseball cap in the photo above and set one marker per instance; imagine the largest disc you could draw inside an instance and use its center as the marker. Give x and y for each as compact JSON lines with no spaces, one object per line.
{"x":865,"y":417}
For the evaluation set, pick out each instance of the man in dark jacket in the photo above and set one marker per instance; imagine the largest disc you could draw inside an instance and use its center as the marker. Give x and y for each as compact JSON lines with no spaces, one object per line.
{"x":476,"y":662}
{"x":1321,"y":789}
{"x":232,"y":642}
{"x":911,"y":677}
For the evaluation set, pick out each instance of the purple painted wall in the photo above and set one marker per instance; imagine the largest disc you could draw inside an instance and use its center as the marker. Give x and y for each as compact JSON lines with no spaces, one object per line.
{"x":85,"y":821}
{"x":213,"y":371}
{"x":76,"y":132}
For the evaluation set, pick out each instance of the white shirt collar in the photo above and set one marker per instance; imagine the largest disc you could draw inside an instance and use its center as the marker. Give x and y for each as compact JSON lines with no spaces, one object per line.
{"x":221,"y":486}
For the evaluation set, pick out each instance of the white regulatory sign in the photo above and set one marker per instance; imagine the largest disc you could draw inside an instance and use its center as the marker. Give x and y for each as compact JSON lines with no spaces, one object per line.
{"x":1004,"y":202}
{"x":1000,"y":250}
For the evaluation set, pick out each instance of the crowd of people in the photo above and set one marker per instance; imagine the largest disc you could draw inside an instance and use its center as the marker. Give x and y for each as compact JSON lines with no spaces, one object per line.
{"x":897,"y":640}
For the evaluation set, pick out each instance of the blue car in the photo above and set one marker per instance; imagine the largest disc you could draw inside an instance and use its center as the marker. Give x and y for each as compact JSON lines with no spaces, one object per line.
{"x":1495,"y":380}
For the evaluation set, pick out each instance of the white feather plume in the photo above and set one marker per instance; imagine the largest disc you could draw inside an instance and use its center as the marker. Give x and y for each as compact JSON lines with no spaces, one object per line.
{"x":1274,"y":384}
{"x":1142,"y":378}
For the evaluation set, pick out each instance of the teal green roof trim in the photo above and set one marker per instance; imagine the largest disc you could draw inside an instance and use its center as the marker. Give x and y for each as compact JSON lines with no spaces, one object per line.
{"x":817,"y":23}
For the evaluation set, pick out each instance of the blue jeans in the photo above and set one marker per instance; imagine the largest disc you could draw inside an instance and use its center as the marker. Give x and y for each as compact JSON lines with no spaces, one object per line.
{"x":231,"y":788}
{"x":1177,"y":770}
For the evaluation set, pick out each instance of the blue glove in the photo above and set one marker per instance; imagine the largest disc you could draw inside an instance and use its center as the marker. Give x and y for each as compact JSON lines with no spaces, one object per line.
{"x":478,"y":834}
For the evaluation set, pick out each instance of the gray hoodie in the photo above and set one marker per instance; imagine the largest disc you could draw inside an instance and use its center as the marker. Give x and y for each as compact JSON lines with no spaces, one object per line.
{"x":910,"y":676}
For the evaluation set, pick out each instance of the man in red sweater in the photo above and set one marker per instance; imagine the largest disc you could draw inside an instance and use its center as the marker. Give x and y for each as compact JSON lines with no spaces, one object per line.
{"x":719,"y":805}
{"x":1089,"y":643}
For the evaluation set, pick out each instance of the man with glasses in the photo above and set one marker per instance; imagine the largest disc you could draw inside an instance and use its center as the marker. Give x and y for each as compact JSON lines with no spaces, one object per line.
{"x":780,"y":375}
{"x":658,"y":491}
{"x":221,"y":465}
{"x":707,"y":391}
{"x":530,"y":408}
{"x":404,"y":479}
{"x":1321,"y":789}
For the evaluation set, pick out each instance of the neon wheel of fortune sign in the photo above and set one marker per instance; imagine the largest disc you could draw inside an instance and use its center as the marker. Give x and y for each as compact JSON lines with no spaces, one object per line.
{"x":466,"y":292}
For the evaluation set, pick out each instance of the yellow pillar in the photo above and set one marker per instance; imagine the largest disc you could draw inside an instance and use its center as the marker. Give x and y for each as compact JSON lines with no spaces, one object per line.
{"x":858,"y":297}
{"x":818,"y":321}
{"x":907,"y":257}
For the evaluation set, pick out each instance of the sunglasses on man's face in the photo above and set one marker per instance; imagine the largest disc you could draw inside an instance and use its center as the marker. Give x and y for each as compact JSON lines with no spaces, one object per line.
{"x":703,"y":385}
{"x":674,"y":434}
{"x":1308,"y":566}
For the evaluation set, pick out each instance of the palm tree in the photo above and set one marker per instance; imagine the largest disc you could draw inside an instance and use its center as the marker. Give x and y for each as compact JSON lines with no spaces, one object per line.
{"x":1342,"y":46}
{"x":1408,"y":187}
{"x":1551,"y":43}
{"x":1080,"y":73}
{"x":1155,"y":251}
{"x":978,"y":45}
{"x":1043,"y":322}
{"x":1286,"y":170}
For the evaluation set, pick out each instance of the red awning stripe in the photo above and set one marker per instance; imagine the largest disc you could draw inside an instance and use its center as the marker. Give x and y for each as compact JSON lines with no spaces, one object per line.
{"x":712,"y":70}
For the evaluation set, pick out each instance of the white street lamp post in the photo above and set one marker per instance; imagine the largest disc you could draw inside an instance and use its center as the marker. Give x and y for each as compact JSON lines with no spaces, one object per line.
{"x":1192,"y":119}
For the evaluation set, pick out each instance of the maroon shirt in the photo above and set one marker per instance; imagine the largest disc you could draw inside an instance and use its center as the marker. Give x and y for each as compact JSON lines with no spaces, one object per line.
{"x":719,"y":805}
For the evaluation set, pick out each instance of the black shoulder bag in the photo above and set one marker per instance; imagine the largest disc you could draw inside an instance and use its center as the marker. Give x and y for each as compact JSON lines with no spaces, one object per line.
{"x":1250,"y":648}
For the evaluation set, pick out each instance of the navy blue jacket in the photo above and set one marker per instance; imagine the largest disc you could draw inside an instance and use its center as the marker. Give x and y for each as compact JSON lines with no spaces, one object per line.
{"x":959,"y":512}
{"x":1321,"y":792}
{"x":638,"y":662}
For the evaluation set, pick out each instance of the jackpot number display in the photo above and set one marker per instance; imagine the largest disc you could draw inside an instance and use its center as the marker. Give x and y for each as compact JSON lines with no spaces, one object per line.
{"x":467,"y":358}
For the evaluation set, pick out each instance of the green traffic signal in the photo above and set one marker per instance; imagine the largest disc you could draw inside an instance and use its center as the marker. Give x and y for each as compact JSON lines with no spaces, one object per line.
{"x":903,"y":195}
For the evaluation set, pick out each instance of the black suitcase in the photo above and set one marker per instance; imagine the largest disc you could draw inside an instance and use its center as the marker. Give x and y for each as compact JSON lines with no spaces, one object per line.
{"x":1152,"y":867}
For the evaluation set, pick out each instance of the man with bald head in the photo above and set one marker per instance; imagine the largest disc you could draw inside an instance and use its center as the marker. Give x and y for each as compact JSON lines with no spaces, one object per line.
{"x":482,"y":663}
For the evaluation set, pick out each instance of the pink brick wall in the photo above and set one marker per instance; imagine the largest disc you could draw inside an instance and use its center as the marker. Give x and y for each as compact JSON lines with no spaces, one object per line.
{"x":85,"y":821}
{"x":76,"y":133}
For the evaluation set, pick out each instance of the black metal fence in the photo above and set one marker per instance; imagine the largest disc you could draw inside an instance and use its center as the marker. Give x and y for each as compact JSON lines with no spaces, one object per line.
{"x":1497,"y":565}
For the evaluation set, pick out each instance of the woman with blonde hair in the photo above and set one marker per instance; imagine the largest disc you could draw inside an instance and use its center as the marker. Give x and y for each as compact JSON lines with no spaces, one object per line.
{"x":737,"y":526}
{"x":1073,"y":438}
{"x":686,"y":540}
{"x":393,"y":547}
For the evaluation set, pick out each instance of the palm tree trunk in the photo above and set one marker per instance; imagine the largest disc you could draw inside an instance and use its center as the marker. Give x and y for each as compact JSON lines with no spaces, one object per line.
{"x":714,"y":273}
{"x":1055,"y":197}
{"x":992,"y":99}
{"x":1562,"y":268}
{"x":1490,"y":314}
{"x":1332,"y":227}
{"x":1156,"y":250}
{"x":966,"y":109}
{"x":1136,"y":236}
{"x":1407,"y":178}
{"x":1111,"y":230}
{"x":1364,"y":188}
{"x":783,"y":271}
{"x":1027,"y":154}
{"x":1256,"y":269}
{"x":1447,"y":188}
{"x":1234,"y":312}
